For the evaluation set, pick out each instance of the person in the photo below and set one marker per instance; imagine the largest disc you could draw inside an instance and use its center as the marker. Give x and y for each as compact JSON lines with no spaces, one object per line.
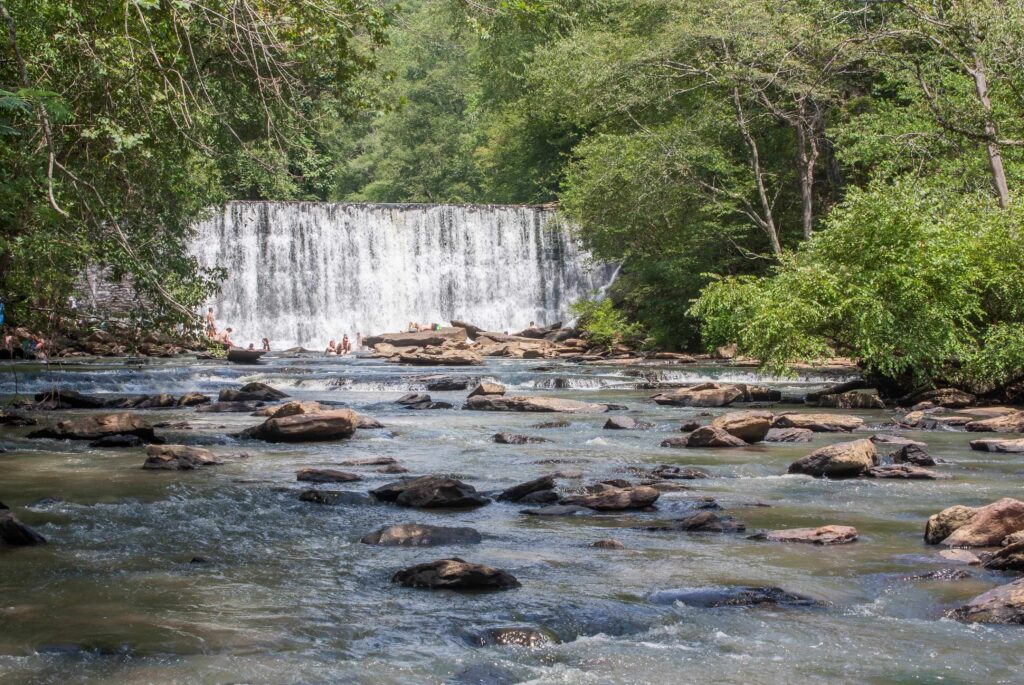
{"x":346,"y":346}
{"x":252,"y":347}
{"x":224,"y":337}
{"x":211,"y":324}
{"x":331,"y":350}
{"x":532,"y":326}
{"x":359,"y":341}
{"x":412,"y":327}
{"x":266,"y":344}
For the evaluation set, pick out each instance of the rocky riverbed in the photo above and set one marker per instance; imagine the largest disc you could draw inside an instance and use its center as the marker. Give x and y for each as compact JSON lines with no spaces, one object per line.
{"x":648,"y":554}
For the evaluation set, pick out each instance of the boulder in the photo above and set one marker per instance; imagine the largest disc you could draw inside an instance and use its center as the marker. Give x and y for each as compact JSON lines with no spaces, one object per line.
{"x":950,"y":398}
{"x":445,"y":383}
{"x":540,"y":331}
{"x":960,"y":526}
{"x":913,"y":454}
{"x":229,"y":407}
{"x":370,"y":461}
{"x":713,"y":436}
{"x":68,"y":399}
{"x":252,"y":392}
{"x":412,"y":398}
{"x":485,"y":388}
{"x":702,"y":522}
{"x":517,"y":492}
{"x":1005,"y":423}
{"x":904,"y":472}
{"x":421,"y":535}
{"x":996,"y":445}
{"x":702,"y":395}
{"x":418,"y":339}
{"x":10,"y":418}
{"x":533,"y":404}
{"x":883,"y":439}
{"x":177,"y":458}
{"x":514,"y":439}
{"x":854,"y":399}
{"x":419,"y":406}
{"x":455,"y":574}
{"x":710,"y":598}
{"x":193,"y":399}
{"x":667,"y":472}
{"x":118,"y":441}
{"x":471,"y":330}
{"x":1008,"y":558}
{"x":823,"y":535}
{"x":333,"y":497}
{"x":611,"y":498}
{"x":368,"y":423}
{"x":677,"y":441}
{"x":819,"y":423}
{"x":312,"y":475}
{"x":788,"y":435}
{"x":556,"y":510}
{"x":749,"y":426}
{"x":1003,"y":604}
{"x":842,"y":460}
{"x":608,"y":543}
{"x":328,"y":425}
{"x":430,"y":492}
{"x":96,"y":427}
{"x":292,"y":408}
{"x":626,"y":423}
{"x":441,"y":356}
{"x":988,"y":412}
{"x":758,"y":393}
{"x":14,"y":533}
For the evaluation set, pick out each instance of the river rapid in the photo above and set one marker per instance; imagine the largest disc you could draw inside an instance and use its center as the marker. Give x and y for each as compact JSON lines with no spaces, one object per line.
{"x":288,"y":594}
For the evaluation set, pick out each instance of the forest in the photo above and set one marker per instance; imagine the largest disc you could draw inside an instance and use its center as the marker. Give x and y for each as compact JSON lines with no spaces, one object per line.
{"x":803,"y":179}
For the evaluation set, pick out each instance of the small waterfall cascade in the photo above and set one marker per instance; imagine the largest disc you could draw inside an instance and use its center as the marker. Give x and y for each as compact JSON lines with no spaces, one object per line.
{"x":301,"y":273}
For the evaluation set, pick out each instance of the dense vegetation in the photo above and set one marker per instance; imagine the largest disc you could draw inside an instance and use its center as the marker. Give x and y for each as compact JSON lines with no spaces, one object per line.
{"x":803,"y":178}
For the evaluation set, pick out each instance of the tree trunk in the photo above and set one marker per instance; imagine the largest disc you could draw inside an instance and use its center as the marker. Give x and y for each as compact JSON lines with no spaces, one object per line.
{"x":767,"y":220}
{"x":995,"y":156}
{"x":807,"y":160}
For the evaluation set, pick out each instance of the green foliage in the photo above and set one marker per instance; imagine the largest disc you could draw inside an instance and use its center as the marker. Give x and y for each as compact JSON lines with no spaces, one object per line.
{"x":604,"y":325}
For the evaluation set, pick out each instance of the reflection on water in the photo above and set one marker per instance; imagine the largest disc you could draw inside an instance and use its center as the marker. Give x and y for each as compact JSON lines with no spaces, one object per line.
{"x":288,"y":594}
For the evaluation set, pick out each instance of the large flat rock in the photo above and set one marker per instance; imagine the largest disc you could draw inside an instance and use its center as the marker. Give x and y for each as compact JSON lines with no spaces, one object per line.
{"x":420,"y":339}
{"x":532,"y":404}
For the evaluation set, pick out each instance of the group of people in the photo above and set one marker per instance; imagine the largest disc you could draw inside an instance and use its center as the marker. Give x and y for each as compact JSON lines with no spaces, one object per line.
{"x":344,"y":347}
{"x":415,"y":327}
{"x":224,"y":337}
{"x":19,"y":343}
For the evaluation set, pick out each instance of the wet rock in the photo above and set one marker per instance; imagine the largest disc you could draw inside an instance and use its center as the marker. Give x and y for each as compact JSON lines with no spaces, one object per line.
{"x":702,"y":522}
{"x":996,"y":445}
{"x":608,"y":543}
{"x":370,"y":461}
{"x":311,"y":475}
{"x":668,"y":472}
{"x":570,"y":474}
{"x":540,"y":497}
{"x":511,"y":637}
{"x":292,"y":408}
{"x":333,"y":497}
{"x":843,"y":460}
{"x":712,"y":597}
{"x":418,"y":339}
{"x":14,"y":419}
{"x":441,"y":356}
{"x":823,"y":535}
{"x":950,"y":398}
{"x":513,"y":439}
{"x":1006,"y":423}
{"x":430,"y":492}
{"x":676,"y":441}
{"x":689,"y":426}
{"x":193,"y":399}
{"x":445,"y":383}
{"x":368,"y":423}
{"x":252,"y":392}
{"x":14,"y":533}
{"x":177,"y":458}
{"x":702,"y":395}
{"x":420,"y":535}
{"x":555,"y":510}
{"x":903,"y":472}
{"x":517,"y":492}
{"x":749,"y":426}
{"x":788,"y":435}
{"x":758,"y":393}
{"x":627,"y":423}
{"x":854,"y":399}
{"x":962,"y":556}
{"x":96,"y":427}
{"x":551,"y":424}
{"x":913,"y":454}
{"x":883,"y":439}
{"x":485,"y":388}
{"x":943,"y":574}
{"x":819,"y":423}
{"x":413,"y":398}
{"x":610,"y":498}
{"x":430,"y":405}
{"x":229,"y":407}
{"x":117,"y":441}
{"x":328,"y":425}
{"x":393,"y":469}
{"x":161,"y":401}
{"x":1008,"y":558}
{"x":455,"y":574}
{"x":533,"y":404}
{"x":713,"y":436}
{"x":960,"y":526}
{"x":1003,"y":604}
{"x":68,"y":399}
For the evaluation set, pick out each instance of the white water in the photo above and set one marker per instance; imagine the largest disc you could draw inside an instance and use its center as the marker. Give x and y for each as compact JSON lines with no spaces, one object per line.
{"x":301,"y":273}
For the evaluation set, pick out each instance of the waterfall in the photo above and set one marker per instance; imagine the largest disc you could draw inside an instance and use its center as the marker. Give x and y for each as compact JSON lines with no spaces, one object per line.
{"x":301,"y":273}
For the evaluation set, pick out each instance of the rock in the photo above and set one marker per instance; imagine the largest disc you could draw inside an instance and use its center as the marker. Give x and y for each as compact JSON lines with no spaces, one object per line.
{"x":333,"y":497}
{"x":533,"y":404}
{"x":904,"y":472}
{"x":455,"y":574}
{"x":1003,"y":604}
{"x":667,"y":472}
{"x":749,"y":426}
{"x":177,"y":458}
{"x":393,"y":468}
{"x":193,"y":399}
{"x":607,"y":543}
{"x":842,"y":460}
{"x":445,"y":383}
{"x":517,"y":492}
{"x":988,"y":412}
{"x":69,"y":399}
{"x":429,"y":405}
{"x":883,"y":439}
{"x":819,"y":423}
{"x":551,"y":424}
{"x":789,"y":435}
{"x":611,"y":498}
{"x":960,"y":555}
{"x":702,"y":395}
{"x":511,"y":637}
{"x":689,"y":426}
{"x":483,"y":674}
{"x":418,"y":339}
{"x":252,"y":392}
{"x":702,"y":522}
{"x":854,"y":399}
{"x":626,"y":423}
{"x":960,"y":526}
{"x":419,"y":535}
{"x":413,"y":398}
{"x":328,"y":425}
{"x":713,"y":436}
{"x":14,"y":533}
{"x":292,"y":408}
{"x":486,"y":388}
{"x":370,"y":461}
{"x":823,"y":535}
{"x":943,"y":574}
{"x":96,"y":427}
{"x":229,"y":407}
{"x":540,"y":497}
{"x":10,"y":418}
{"x":710,"y":598}
{"x":1008,"y":558}
{"x":368,"y":423}
{"x":996,"y":445}
{"x":758,"y":393}
{"x":471,"y":330}
{"x":441,"y":356}
{"x":912,"y":454}
{"x":555,"y":510}
{"x":117,"y":441}
{"x":1006,"y":423}
{"x":430,"y":492}
{"x":677,"y":441}
{"x":725,"y":352}
{"x":950,"y":398}
{"x":513,"y":439}
{"x":325,"y":476}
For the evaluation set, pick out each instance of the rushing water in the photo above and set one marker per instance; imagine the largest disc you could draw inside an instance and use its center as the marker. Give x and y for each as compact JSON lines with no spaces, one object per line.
{"x":289,"y":595}
{"x":301,"y":273}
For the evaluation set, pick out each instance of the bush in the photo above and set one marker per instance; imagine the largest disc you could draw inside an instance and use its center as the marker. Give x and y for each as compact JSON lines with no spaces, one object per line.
{"x":606,"y":326}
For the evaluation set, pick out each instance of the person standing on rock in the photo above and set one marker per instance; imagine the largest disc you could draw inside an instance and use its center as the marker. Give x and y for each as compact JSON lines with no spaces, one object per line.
{"x":211,"y":324}
{"x":266,"y":344}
